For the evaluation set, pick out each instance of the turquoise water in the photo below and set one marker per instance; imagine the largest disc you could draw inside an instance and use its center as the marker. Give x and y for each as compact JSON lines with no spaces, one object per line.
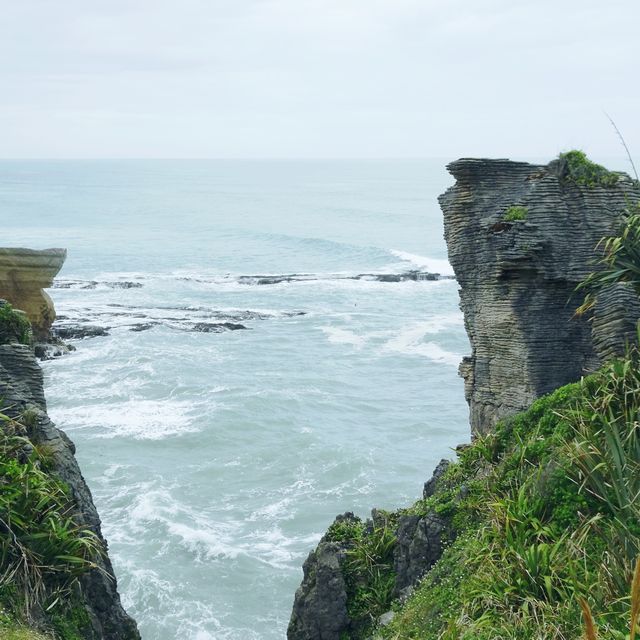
{"x":217,"y":460}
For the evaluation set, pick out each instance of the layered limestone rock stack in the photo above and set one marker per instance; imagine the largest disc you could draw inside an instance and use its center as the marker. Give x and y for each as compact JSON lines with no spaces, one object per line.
{"x":24,"y":273}
{"x":21,"y":390}
{"x":518,"y":277}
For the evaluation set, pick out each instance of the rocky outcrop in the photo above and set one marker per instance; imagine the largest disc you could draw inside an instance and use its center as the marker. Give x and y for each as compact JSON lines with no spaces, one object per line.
{"x":24,"y":273}
{"x":320,"y":605}
{"x":520,"y":238}
{"x":21,"y":389}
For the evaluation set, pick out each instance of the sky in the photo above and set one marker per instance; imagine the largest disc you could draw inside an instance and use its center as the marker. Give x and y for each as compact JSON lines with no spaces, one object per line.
{"x":317,"y":78}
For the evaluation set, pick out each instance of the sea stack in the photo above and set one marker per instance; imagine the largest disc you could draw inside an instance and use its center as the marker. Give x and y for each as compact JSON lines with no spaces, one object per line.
{"x":521,"y":237}
{"x":24,"y":273}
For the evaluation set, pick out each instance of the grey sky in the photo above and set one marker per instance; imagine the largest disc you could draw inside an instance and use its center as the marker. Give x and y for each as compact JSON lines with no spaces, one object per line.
{"x":317,"y":78}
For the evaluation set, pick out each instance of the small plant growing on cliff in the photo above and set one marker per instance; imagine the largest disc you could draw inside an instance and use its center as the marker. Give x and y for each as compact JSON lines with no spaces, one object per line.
{"x":43,"y":550}
{"x":579,"y":169}
{"x":620,"y":261}
{"x":14,"y":325}
{"x":515,"y":213}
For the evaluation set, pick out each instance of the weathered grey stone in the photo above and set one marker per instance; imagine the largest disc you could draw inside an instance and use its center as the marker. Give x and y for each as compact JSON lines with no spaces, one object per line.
{"x":614,"y":321}
{"x":419,"y":546}
{"x":431,"y":484}
{"x":320,"y":605}
{"x":517,"y":279}
{"x":20,"y":389}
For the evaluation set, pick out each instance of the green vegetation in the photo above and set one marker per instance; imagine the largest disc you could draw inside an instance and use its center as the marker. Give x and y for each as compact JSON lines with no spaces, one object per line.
{"x":546,"y":513}
{"x":368,"y":570}
{"x":43,"y":550}
{"x":14,"y":325}
{"x":620,"y":261}
{"x":586,"y":173}
{"x":515,"y":213}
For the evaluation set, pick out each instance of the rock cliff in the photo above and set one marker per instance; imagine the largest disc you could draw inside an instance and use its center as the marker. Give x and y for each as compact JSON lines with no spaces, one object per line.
{"x":520,"y":238}
{"x":24,"y":273}
{"x":21,"y":391}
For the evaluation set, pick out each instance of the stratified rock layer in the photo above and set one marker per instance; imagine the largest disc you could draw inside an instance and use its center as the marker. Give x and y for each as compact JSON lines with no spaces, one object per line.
{"x":518,"y":278}
{"x":21,"y":388}
{"x":24,"y":273}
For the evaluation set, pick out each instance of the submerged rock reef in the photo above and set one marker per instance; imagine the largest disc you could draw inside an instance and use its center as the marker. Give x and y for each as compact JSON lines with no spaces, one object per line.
{"x":520,"y":238}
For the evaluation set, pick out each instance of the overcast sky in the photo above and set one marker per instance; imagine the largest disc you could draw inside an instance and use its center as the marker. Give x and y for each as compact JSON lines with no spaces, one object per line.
{"x":317,"y":78}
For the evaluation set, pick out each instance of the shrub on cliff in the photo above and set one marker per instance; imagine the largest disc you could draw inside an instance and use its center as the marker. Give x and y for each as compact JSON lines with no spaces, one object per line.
{"x":620,"y":260}
{"x":43,"y":551}
{"x":579,"y":169}
{"x":14,"y":325}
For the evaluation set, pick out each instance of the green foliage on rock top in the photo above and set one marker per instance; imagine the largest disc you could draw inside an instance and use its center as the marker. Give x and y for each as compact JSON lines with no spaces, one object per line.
{"x":586,"y":173}
{"x":544,"y":512}
{"x":14,"y":325}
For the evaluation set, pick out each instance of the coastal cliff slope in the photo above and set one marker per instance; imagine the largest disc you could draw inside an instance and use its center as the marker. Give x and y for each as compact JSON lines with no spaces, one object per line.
{"x":44,"y":461}
{"x":521,"y":237}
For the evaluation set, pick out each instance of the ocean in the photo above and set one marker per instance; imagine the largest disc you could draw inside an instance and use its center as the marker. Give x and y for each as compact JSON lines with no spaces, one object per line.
{"x":267,"y":365}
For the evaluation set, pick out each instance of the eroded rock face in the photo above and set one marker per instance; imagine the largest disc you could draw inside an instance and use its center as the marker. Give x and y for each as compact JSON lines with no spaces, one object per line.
{"x":517,"y":279}
{"x":320,"y":605}
{"x":24,"y":273}
{"x":21,"y":388}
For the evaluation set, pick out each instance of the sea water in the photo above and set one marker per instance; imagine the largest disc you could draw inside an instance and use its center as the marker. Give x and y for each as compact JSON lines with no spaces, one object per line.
{"x":218,"y":459}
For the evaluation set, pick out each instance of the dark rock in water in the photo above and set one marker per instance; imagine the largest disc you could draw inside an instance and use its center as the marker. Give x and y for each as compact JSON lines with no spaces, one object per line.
{"x":124,"y":285}
{"x":74,"y":284}
{"x":320,"y":605}
{"x":415,"y":276}
{"x":518,"y":278}
{"x":52,"y":350}
{"x":21,"y":388}
{"x":216,"y":327}
{"x":143,"y":326}
{"x":93,"y":284}
{"x":78,"y":331}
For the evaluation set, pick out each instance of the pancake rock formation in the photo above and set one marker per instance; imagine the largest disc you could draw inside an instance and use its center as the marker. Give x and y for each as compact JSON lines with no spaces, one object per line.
{"x":520,"y":238}
{"x":24,"y":273}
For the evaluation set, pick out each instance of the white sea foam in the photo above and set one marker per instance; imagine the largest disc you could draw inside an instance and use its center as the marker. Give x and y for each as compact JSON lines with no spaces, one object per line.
{"x":434,"y":265}
{"x":343,"y":336}
{"x":411,"y":342}
{"x":135,"y":418}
